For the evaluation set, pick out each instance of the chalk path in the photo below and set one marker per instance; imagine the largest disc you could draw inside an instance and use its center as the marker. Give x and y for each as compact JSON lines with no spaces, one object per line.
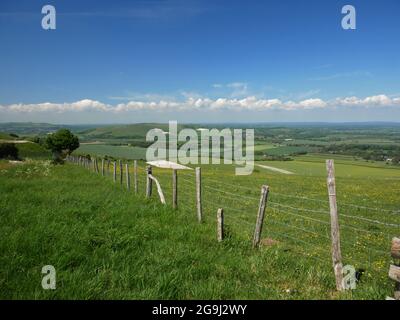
{"x":275,"y":169}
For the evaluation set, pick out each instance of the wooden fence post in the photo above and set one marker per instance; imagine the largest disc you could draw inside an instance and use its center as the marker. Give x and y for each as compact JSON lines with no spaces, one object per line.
{"x":135,"y":177}
{"x":335,"y":232}
{"x":102,"y":167}
{"x":159,"y":189}
{"x":115,"y":171}
{"x":260,"y":216}
{"x":120,"y":172}
{"x":96,"y":165}
{"x":174,"y":188}
{"x":148,"y":181}
{"x":198,"y":195}
{"x":128,"y":179}
{"x":108,"y":167}
{"x":220,"y":224}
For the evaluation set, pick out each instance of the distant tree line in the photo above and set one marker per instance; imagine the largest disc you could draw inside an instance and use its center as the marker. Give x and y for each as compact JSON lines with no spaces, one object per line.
{"x":366,"y":151}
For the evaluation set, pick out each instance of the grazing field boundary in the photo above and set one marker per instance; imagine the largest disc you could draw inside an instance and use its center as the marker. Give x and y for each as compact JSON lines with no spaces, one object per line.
{"x":313,"y":228}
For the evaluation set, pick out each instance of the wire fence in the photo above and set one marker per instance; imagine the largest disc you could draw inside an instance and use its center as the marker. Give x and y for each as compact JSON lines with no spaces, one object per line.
{"x":294,"y":222}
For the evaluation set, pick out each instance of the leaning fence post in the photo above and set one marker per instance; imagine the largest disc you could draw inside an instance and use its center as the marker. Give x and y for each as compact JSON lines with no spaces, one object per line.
{"x":120,"y":172}
{"x":174,"y":188}
{"x":159,"y":189}
{"x":220,"y":224}
{"x":135,"y":178}
{"x":335,"y":233}
{"x":198,"y":195}
{"x":148,"y":181}
{"x":260,"y":216}
{"x":128,"y":179}
{"x":97,"y":165}
{"x":115,"y":171}
{"x":102,"y":167}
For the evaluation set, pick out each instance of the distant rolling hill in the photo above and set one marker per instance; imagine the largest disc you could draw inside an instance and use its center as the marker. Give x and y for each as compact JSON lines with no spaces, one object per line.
{"x":130,"y":131}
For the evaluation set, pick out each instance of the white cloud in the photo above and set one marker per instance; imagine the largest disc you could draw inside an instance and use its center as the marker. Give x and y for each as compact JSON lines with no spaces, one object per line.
{"x":368,"y":102}
{"x":196,"y":103}
{"x":237,"y":89}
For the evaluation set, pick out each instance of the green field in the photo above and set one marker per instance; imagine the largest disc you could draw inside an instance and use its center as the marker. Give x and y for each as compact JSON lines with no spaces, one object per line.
{"x":101,"y":150}
{"x":108,"y":243}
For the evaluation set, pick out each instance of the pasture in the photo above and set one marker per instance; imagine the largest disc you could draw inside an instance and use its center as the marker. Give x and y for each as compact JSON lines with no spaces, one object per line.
{"x":107,"y":242}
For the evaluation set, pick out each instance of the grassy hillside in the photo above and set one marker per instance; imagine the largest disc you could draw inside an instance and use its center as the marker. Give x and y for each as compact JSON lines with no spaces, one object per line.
{"x":108,"y":243}
{"x":32,"y":151}
{"x":125,"y":131}
{"x":5,"y":136}
{"x":101,"y":150}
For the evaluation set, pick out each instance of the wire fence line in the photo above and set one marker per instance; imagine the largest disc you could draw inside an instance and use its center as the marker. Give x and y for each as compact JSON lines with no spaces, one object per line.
{"x":234,"y":198}
{"x":362,"y":244}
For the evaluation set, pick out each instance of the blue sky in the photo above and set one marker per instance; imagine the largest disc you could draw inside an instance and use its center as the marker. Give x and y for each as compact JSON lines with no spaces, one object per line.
{"x":133,"y":61}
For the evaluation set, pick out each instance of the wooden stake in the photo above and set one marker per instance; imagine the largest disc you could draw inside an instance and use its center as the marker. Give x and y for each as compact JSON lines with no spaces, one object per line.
{"x":174,"y":188}
{"x":135,"y":177}
{"x":96,"y":165}
{"x":335,"y":232}
{"x":148,"y":182}
{"x":159,"y":190}
{"x":220,"y":224}
{"x":120,"y":172}
{"x":102,"y":167}
{"x":128,"y":178}
{"x":108,"y":167}
{"x":260,"y":216}
{"x":115,"y":171}
{"x":198,"y":195}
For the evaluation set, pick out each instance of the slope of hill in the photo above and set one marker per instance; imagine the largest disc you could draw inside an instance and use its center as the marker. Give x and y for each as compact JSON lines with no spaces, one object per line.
{"x":125,"y":131}
{"x":107,"y":243}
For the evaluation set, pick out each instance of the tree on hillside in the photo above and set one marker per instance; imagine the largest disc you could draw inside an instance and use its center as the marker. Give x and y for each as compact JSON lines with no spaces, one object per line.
{"x":61,"y":143}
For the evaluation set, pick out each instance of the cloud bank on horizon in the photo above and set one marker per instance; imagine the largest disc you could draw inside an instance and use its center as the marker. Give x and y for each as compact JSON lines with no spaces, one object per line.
{"x":250,"y":103}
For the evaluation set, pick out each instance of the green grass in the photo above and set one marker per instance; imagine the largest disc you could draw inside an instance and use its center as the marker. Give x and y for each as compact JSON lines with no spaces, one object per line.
{"x":125,"y":152}
{"x":107,"y":243}
{"x":32,"y":151}
{"x":6,"y":136}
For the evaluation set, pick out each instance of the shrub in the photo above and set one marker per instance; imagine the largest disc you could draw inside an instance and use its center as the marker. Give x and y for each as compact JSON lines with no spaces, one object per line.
{"x":8,"y":151}
{"x":61,"y":143}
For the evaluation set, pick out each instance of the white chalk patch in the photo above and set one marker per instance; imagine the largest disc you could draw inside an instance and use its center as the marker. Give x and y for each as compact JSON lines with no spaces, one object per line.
{"x":15,"y":141}
{"x":275,"y":169}
{"x":168,"y":165}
